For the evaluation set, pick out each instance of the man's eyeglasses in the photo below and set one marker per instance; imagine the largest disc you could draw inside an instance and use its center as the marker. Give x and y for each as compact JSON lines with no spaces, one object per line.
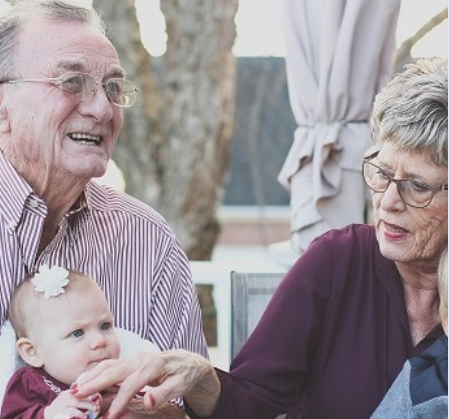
{"x":80,"y":86}
{"x":414,"y":193}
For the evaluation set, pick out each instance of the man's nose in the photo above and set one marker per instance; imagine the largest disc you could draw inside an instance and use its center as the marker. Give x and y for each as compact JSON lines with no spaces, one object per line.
{"x":97,"y":104}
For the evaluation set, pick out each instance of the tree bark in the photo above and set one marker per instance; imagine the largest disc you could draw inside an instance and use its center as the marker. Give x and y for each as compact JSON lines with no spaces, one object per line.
{"x":199,"y":84}
{"x":138,"y":148}
{"x":175,"y":157}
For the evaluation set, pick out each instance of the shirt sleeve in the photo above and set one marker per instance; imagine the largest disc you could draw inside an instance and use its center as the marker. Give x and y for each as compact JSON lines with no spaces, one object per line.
{"x":175,"y":305}
{"x":266,"y":375}
{"x":22,"y":398}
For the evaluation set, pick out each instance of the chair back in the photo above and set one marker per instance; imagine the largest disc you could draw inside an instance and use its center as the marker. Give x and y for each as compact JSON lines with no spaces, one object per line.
{"x":250,"y":295}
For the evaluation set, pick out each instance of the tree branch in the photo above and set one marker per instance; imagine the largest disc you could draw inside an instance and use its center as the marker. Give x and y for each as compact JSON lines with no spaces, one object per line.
{"x":403,"y":53}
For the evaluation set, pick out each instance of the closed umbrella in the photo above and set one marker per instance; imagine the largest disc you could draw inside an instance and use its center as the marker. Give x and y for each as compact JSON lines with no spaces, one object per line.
{"x":339,"y":53}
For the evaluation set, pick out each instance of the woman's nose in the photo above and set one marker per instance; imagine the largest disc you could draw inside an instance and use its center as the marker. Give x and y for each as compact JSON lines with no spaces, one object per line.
{"x":391,"y":199}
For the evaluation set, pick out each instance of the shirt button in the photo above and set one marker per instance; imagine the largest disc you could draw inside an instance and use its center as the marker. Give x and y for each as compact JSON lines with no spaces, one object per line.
{"x":11,"y":226}
{"x":33,"y":203}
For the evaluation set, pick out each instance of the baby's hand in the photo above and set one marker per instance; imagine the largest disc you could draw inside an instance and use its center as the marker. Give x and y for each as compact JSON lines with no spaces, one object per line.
{"x":67,"y":406}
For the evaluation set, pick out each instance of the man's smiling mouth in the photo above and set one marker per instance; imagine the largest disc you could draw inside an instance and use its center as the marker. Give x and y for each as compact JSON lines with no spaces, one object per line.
{"x":85,"y":139}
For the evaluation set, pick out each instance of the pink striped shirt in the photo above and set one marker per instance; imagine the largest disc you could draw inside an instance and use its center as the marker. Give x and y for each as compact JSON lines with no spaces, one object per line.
{"x":122,"y":243}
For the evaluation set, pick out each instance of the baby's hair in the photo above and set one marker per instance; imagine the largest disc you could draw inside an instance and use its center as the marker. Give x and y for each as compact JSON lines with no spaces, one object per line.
{"x":442,"y":285}
{"x":26,"y":301}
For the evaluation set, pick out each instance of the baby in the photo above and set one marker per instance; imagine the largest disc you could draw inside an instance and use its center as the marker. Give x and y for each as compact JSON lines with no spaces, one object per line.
{"x":64,"y":328}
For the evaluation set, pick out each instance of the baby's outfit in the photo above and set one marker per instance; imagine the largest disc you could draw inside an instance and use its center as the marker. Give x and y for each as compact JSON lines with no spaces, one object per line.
{"x":29,"y":391}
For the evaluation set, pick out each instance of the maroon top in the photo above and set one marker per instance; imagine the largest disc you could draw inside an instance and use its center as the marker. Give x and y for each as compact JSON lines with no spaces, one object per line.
{"x":29,"y":392}
{"x":332,"y":340}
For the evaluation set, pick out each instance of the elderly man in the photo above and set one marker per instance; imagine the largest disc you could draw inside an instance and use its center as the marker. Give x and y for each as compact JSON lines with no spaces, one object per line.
{"x":62,"y":94}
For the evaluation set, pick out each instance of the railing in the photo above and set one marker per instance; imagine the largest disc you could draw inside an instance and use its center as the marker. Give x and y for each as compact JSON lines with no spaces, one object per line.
{"x":218,"y":275}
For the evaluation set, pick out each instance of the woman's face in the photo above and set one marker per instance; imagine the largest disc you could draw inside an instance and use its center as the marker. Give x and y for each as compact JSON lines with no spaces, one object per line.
{"x":407,"y":234}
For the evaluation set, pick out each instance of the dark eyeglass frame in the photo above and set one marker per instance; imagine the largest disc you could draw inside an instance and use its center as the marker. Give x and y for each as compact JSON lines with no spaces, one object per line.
{"x":400,"y":183}
{"x":128,"y":96}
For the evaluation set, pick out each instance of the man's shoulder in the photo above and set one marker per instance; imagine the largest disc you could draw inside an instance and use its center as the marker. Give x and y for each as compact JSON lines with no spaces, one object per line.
{"x":102,"y":198}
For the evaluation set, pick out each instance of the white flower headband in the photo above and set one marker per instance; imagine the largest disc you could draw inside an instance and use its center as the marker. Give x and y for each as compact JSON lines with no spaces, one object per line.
{"x":51,"y":281}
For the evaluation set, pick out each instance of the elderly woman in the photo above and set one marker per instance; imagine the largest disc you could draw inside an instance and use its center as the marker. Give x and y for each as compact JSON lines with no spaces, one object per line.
{"x":354,"y":307}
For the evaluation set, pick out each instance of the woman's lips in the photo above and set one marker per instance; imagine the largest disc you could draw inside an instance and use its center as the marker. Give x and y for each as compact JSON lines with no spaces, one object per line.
{"x":393,"y":231}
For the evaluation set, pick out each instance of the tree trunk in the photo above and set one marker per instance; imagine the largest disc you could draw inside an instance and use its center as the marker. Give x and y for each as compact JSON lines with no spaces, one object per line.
{"x":175,"y":157}
{"x":199,"y":83}
{"x":138,"y":147}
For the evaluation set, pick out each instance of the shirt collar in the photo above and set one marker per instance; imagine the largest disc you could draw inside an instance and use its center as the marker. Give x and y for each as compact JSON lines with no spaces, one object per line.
{"x":17,"y":192}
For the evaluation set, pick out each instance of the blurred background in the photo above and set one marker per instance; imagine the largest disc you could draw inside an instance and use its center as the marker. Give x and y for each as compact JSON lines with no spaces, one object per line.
{"x":212,"y":125}
{"x":205,"y":149}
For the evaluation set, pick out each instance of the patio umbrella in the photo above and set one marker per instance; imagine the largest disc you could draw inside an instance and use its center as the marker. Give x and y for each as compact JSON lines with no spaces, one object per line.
{"x":339,"y":53}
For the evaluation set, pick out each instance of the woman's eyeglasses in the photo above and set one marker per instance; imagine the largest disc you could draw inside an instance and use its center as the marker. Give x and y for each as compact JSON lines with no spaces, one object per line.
{"x":414,"y":193}
{"x":80,"y":86}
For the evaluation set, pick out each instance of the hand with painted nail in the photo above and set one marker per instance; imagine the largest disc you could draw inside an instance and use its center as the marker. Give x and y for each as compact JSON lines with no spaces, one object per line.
{"x":163,"y":376}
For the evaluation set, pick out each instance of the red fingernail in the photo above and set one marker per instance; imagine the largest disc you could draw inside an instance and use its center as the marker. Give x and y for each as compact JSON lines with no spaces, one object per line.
{"x":74,"y":386}
{"x":106,"y":415}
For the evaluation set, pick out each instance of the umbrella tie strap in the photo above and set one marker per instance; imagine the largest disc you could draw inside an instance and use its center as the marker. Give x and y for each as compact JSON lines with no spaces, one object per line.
{"x":342,"y":122}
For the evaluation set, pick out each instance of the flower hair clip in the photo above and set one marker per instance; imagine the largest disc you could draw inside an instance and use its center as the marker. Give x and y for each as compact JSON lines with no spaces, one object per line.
{"x":51,"y":281}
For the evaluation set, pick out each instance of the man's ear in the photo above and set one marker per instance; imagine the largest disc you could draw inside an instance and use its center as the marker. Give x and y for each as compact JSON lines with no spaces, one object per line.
{"x":4,"y":117}
{"x":28,"y":352}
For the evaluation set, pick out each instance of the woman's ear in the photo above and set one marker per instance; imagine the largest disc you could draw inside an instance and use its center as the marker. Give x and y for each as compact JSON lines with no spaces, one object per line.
{"x":28,"y":352}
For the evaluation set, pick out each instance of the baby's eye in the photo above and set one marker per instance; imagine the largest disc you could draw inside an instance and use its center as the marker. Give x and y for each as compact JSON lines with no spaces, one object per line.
{"x":106,"y":326}
{"x":77,"y":333}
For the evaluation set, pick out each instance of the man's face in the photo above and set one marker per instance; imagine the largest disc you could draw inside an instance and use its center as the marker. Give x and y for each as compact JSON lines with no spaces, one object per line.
{"x":74,"y":332}
{"x":47,"y":133}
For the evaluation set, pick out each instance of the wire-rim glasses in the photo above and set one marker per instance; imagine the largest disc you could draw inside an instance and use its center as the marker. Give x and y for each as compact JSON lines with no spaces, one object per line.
{"x":414,"y":193}
{"x":80,"y":86}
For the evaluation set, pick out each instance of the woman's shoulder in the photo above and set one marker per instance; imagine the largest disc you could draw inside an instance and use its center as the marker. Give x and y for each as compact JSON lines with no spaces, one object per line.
{"x":349,"y":233}
{"x":348,"y":253}
{"x":349,"y":239}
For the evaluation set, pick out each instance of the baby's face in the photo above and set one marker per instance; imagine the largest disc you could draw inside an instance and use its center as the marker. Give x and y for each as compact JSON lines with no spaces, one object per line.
{"x":75,"y":333}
